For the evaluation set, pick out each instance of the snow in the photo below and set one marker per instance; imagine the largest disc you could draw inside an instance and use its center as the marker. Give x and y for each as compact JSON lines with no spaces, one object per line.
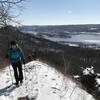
{"x":98,"y":81}
{"x":73,"y":45}
{"x":88,"y":71}
{"x":41,"y":82}
{"x":30,"y":32}
{"x":76,"y":76}
{"x":93,"y":28}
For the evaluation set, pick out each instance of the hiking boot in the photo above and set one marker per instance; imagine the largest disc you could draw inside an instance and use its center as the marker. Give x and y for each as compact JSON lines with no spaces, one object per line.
{"x":21,"y":81}
{"x":17,"y":84}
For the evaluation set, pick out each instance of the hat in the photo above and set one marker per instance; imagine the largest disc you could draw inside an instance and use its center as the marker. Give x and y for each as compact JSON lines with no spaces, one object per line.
{"x":13,"y":43}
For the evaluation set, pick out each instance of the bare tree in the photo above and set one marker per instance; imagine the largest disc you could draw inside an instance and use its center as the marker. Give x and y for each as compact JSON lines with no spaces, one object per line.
{"x":4,"y":15}
{"x":11,"y":1}
{"x":6,"y":7}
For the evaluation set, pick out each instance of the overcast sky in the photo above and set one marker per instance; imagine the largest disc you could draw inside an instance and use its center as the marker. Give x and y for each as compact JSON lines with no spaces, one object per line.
{"x":61,"y":12}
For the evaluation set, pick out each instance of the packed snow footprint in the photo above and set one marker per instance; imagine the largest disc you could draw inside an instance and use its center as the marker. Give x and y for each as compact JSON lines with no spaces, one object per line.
{"x":41,"y":82}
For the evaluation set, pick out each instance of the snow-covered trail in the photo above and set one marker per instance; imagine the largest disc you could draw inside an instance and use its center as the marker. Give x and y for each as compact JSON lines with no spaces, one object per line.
{"x":42,"y":83}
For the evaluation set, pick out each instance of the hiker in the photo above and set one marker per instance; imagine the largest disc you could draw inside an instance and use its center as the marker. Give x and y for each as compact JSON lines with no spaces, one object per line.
{"x":16,"y":57}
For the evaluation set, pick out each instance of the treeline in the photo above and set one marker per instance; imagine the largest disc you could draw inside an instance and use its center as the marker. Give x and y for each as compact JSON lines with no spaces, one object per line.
{"x":73,"y":58}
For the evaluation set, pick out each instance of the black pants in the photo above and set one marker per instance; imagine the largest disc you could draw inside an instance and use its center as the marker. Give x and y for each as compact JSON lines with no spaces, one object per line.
{"x":18,"y":72}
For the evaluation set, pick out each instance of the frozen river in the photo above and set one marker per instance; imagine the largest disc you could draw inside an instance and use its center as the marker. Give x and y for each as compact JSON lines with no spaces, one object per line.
{"x":83,"y":38}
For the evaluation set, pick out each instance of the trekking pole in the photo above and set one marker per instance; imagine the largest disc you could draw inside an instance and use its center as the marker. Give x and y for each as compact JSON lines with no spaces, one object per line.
{"x":24,"y":72}
{"x":11,"y":74}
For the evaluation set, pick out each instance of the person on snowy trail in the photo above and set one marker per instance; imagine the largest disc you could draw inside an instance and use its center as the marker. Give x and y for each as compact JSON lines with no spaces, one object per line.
{"x":16,"y":57}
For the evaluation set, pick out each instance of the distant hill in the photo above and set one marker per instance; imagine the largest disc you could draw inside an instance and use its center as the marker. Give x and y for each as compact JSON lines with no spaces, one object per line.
{"x":63,"y":28}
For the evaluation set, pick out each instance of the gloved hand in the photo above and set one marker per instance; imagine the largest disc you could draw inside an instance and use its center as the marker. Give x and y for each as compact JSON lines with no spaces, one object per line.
{"x":23,"y":61}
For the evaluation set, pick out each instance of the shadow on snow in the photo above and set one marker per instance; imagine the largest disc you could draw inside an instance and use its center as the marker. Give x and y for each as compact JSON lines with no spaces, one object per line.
{"x":7,"y":90}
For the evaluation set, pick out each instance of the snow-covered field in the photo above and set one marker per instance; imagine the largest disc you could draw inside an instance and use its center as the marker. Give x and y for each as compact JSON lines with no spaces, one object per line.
{"x":41,"y":82}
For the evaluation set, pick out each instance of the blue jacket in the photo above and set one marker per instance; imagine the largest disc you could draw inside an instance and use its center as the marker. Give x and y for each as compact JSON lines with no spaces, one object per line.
{"x":15,"y":54}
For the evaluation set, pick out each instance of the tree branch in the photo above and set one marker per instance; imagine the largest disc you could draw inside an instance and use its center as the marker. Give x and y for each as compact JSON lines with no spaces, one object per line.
{"x":11,"y":1}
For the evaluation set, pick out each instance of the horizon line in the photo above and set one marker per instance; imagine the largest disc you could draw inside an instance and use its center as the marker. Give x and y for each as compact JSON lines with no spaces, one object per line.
{"x":56,"y":24}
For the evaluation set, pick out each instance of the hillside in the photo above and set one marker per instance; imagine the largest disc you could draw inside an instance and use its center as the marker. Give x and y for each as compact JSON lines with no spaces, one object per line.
{"x":41,"y":82}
